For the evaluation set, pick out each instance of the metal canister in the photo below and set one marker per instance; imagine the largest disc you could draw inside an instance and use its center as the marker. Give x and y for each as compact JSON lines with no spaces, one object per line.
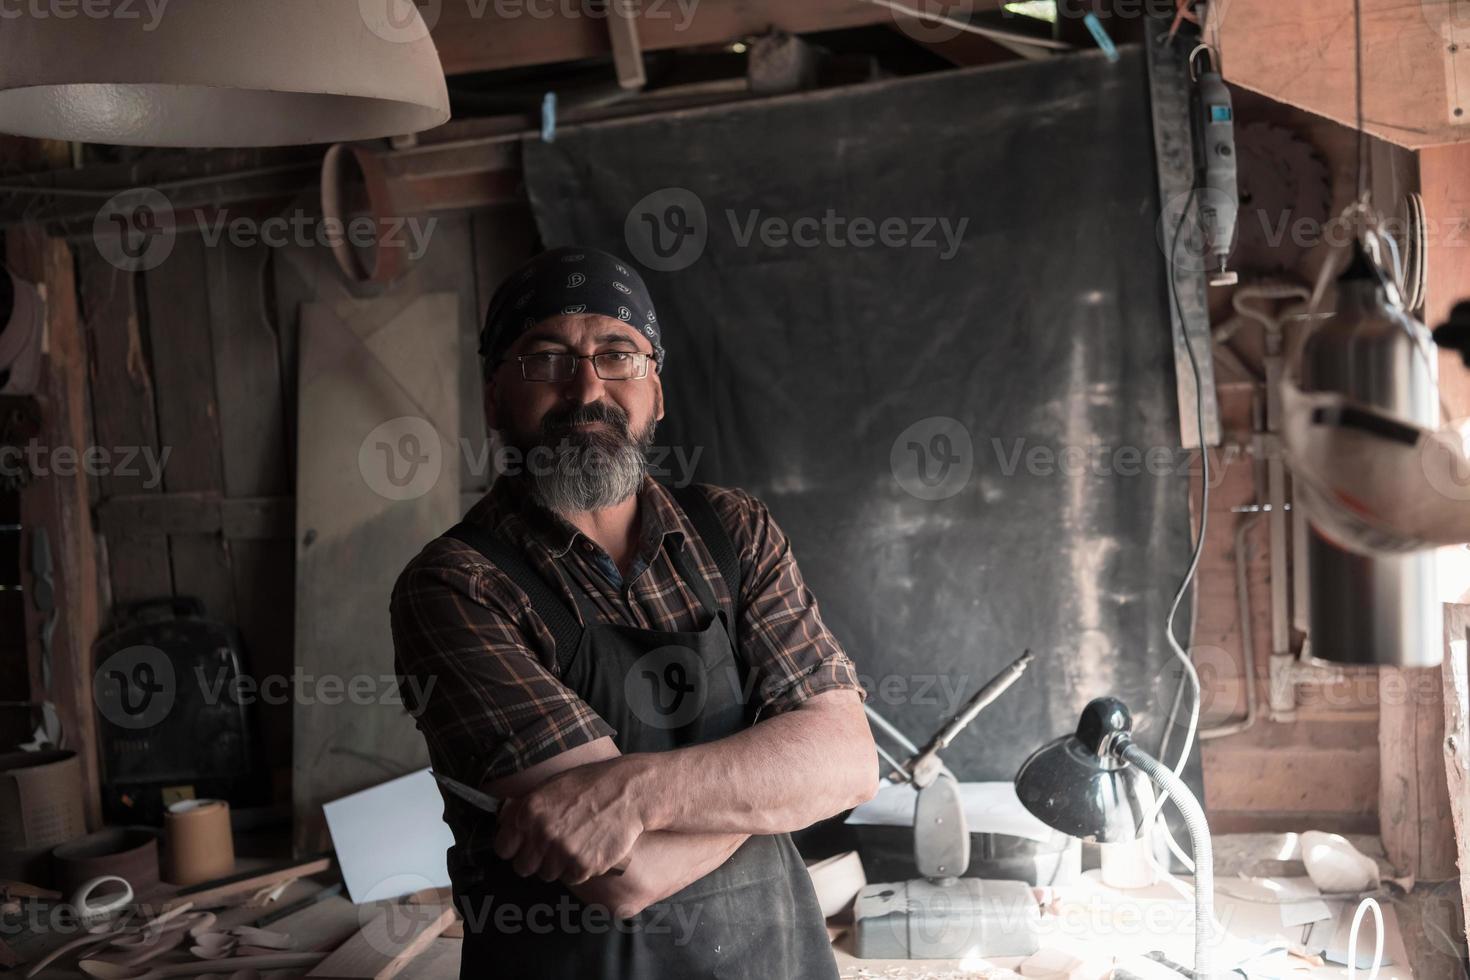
{"x":1372,"y":609}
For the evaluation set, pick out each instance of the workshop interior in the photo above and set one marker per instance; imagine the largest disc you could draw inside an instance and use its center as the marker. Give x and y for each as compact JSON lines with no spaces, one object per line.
{"x":1104,"y":363}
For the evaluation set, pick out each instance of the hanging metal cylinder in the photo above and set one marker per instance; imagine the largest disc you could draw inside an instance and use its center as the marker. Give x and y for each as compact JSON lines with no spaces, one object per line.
{"x":1372,"y":608}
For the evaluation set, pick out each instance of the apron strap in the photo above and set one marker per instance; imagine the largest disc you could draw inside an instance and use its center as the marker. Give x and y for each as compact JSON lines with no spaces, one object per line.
{"x":560,"y":619}
{"x":712,"y":531}
{"x":695,"y":582}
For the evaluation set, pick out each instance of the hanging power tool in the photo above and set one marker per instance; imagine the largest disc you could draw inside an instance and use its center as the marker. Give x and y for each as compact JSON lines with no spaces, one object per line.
{"x":1219,"y":198}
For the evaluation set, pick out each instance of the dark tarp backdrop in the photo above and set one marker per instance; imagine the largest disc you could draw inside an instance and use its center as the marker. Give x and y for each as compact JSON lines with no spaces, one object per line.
{"x":961,"y":409}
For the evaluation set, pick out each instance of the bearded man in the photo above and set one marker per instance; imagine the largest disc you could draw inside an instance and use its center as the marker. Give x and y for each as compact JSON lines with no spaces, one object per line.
{"x":638,"y":673}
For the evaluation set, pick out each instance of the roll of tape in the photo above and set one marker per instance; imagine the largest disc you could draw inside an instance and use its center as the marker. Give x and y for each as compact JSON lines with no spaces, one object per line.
{"x":197,"y":842}
{"x":91,"y":912}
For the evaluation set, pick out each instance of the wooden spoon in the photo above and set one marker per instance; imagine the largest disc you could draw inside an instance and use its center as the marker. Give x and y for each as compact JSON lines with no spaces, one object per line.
{"x":95,"y":935}
{"x":213,"y":945}
{"x":133,"y":953}
{"x":251,"y":936}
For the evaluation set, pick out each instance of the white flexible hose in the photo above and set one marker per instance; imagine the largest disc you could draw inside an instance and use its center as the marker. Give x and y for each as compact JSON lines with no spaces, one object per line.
{"x":1352,"y":946}
{"x":1204,"y":861}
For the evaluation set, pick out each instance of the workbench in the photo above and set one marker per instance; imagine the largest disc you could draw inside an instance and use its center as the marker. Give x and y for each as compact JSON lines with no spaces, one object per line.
{"x":1096,"y":923}
{"x":1086,"y":919}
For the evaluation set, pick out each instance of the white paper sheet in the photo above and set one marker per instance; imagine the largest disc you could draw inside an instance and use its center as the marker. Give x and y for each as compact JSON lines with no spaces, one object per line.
{"x":1298,"y":899}
{"x":391,"y":839}
{"x":990,"y":808}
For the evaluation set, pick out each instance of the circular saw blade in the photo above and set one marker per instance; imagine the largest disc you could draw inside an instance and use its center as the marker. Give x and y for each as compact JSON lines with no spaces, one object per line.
{"x":1285,"y":198}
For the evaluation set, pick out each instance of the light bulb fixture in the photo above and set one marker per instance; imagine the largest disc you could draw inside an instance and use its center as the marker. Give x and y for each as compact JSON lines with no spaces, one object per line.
{"x":222,"y":73}
{"x":1095,"y":784}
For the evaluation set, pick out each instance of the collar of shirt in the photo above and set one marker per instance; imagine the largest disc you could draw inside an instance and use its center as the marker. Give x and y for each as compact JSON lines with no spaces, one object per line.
{"x":509,"y":510}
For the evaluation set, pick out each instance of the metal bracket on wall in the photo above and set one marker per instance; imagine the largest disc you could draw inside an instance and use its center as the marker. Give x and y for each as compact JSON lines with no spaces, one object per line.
{"x":1169,"y":97}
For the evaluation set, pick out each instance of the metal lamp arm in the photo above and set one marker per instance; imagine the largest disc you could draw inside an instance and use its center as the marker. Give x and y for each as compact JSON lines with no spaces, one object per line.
{"x":1199,"y":835}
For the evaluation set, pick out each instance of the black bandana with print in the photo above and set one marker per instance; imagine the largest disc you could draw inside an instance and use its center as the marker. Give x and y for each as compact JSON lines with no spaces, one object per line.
{"x":563,"y":280}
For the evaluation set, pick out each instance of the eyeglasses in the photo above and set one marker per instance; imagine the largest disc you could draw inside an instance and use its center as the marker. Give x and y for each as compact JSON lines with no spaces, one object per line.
{"x":613,"y":365}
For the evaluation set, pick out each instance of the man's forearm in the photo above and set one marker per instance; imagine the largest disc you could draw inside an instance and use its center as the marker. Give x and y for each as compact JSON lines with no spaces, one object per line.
{"x":780,"y":775}
{"x":660,"y":864}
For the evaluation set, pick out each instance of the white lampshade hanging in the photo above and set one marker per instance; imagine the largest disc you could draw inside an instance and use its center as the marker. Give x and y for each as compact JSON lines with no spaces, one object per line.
{"x":219,"y":72}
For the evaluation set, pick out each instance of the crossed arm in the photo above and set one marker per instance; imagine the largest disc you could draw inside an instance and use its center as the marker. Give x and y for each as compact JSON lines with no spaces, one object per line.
{"x":678,"y":815}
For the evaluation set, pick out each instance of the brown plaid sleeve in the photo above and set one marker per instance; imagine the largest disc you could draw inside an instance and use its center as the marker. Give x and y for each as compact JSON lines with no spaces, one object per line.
{"x":484,"y":697}
{"x":792,"y":652}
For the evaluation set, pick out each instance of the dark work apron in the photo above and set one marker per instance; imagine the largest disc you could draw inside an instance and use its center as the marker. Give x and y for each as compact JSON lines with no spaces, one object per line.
{"x":755,"y":917}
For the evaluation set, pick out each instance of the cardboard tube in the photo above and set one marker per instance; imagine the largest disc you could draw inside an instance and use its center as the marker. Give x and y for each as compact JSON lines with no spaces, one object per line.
{"x":197,"y":842}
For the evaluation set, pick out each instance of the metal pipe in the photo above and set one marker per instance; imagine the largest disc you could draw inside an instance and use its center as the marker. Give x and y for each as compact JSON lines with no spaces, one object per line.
{"x":1247,"y":634}
{"x":898,"y":769}
{"x":893,"y":733}
{"x":982,"y":700}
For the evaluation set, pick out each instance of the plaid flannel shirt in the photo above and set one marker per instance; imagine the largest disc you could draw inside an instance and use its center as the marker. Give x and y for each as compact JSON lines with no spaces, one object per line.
{"x":468,"y":638}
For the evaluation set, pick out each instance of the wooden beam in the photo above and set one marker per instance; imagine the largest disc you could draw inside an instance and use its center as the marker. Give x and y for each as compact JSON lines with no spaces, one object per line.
{"x":965,"y":50}
{"x":1457,"y":735}
{"x":472,"y":37}
{"x":1444,"y":185}
{"x":1413,"y":799}
{"x":1443,"y":174}
{"x":61,"y":506}
{"x":1415,"y":66}
{"x":627,"y":49}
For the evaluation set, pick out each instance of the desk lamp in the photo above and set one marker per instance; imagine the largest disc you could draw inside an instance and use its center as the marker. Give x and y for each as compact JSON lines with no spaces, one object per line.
{"x":1094,"y":784}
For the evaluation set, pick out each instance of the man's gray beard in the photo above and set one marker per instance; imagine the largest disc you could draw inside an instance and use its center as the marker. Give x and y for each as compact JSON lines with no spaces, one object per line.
{"x":588,"y":472}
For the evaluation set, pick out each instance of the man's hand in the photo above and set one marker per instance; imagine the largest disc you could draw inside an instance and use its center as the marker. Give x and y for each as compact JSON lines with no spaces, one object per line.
{"x":573,"y":827}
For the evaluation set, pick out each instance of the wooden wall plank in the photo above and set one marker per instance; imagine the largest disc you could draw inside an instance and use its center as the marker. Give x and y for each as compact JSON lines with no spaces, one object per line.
{"x":62,"y":505}
{"x":124,"y":420}
{"x":252,"y":412}
{"x":503,"y":238}
{"x":474,"y":37}
{"x":1457,"y":738}
{"x":364,"y":364}
{"x":188,"y":414}
{"x":157,"y":515}
{"x":1415,"y":821}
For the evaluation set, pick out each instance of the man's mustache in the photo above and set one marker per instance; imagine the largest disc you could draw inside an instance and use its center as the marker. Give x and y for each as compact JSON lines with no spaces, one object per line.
{"x":561,"y":423}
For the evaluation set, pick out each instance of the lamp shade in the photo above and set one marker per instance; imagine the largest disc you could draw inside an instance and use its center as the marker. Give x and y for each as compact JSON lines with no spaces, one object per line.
{"x":1077,"y":785}
{"x":219,"y":72}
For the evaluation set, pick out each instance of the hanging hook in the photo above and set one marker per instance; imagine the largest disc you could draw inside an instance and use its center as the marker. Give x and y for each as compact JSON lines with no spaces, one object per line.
{"x":1214,"y":60}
